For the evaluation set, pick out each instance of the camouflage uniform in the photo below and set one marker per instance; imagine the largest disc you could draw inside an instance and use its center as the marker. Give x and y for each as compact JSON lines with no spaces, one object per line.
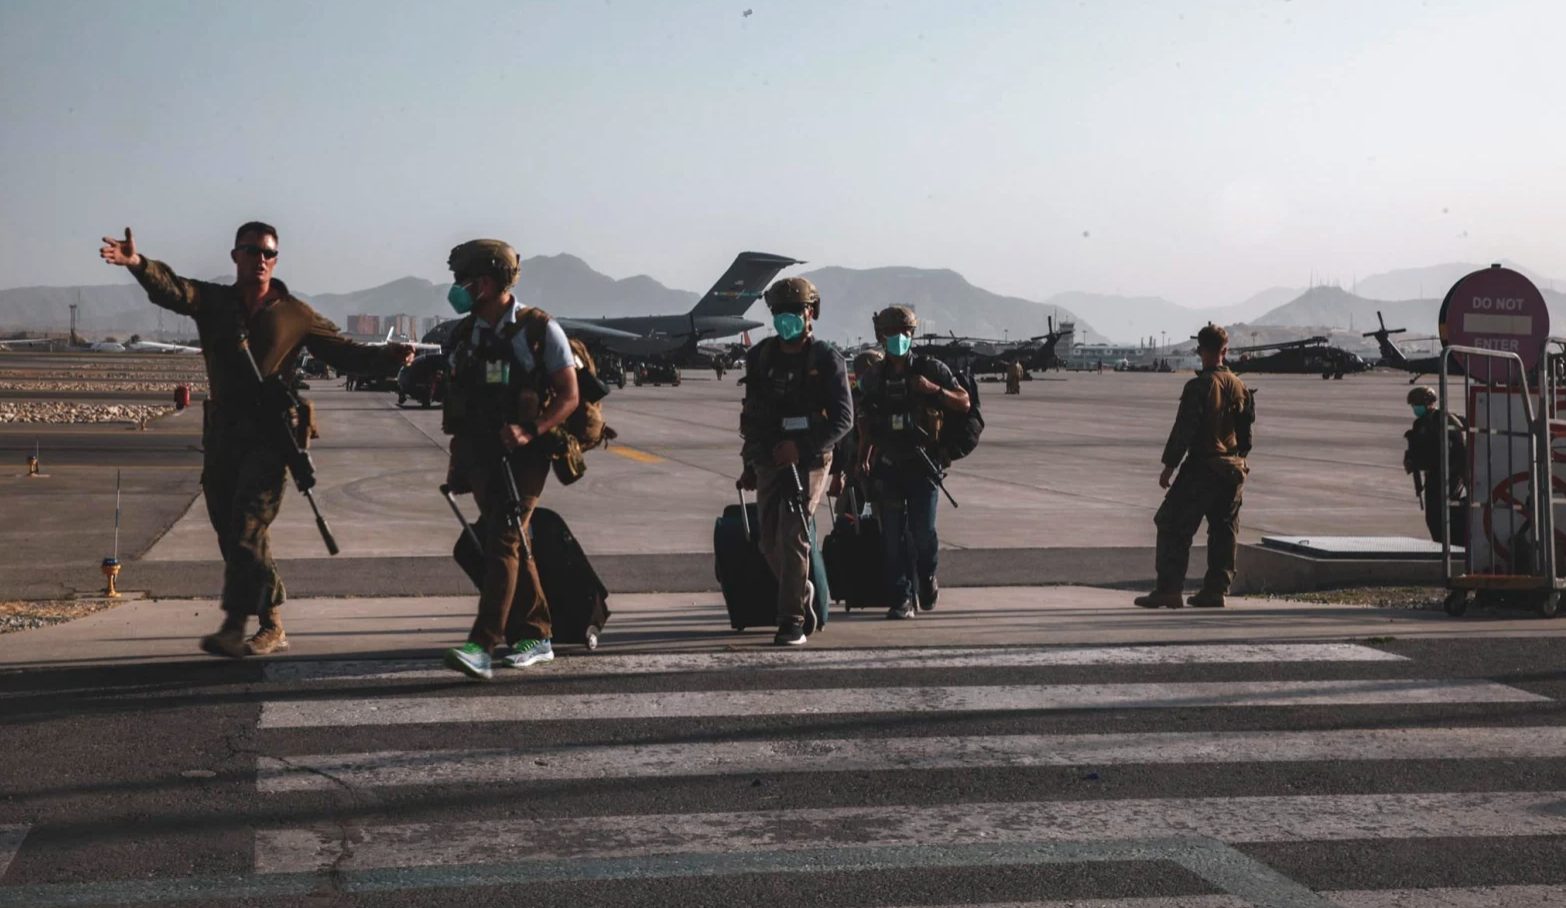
{"x":1209,"y":443}
{"x":1014,"y":378}
{"x":242,"y":475}
{"x":1423,"y":455}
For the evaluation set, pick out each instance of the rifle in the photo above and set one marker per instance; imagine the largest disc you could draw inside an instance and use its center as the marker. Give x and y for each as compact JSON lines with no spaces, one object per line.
{"x":514,"y":508}
{"x":275,"y":399}
{"x":936,"y":473}
{"x":1419,"y":488}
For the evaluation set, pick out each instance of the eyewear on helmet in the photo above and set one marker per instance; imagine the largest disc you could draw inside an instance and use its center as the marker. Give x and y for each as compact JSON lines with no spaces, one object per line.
{"x":253,"y":249}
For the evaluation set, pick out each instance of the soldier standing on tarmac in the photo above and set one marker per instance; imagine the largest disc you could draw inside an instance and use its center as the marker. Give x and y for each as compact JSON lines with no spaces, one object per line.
{"x":513,"y":382}
{"x":242,"y":474}
{"x":797,"y":407}
{"x":1423,"y":459}
{"x":1209,"y":443}
{"x":905,"y":399}
{"x":1014,"y":378}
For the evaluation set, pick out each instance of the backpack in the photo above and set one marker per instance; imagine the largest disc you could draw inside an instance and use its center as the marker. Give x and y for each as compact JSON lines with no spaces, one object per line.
{"x":586,"y":422}
{"x":960,"y":431}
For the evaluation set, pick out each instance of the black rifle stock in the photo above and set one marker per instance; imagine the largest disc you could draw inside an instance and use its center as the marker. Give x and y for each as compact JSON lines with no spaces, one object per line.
{"x":274,"y":401}
{"x":1419,"y":488}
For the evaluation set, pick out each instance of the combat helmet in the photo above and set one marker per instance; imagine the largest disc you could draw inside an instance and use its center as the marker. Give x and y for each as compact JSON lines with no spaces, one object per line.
{"x":794,"y":293}
{"x":895,"y":320}
{"x":1422,"y":396}
{"x":485,"y":258}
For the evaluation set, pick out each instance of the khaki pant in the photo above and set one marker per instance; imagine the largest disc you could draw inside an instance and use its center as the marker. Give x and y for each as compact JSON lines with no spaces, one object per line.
{"x":785,"y":543}
{"x":1198,"y":493}
{"x":511,"y":605}
{"x":242,"y":479}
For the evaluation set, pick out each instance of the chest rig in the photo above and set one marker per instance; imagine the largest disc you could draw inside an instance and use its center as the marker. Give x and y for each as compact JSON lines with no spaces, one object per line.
{"x":487,"y":385}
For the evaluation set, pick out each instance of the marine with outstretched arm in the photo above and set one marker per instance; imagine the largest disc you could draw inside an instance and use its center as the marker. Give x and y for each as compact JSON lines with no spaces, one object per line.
{"x":243,"y":469}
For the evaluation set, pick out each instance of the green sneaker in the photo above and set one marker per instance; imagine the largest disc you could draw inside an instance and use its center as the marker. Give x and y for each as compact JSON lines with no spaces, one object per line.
{"x":471,"y":660}
{"x":528,"y":652}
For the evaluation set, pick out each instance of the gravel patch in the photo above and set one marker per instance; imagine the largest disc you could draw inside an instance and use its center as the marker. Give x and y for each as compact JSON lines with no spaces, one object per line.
{"x":25,"y":616}
{"x":1425,"y":598}
{"x":66,"y":412}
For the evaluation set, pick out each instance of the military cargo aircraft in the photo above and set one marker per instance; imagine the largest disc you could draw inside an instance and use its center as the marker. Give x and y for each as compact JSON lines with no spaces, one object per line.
{"x":1393,"y":358}
{"x":1312,"y":356}
{"x":719,"y":313}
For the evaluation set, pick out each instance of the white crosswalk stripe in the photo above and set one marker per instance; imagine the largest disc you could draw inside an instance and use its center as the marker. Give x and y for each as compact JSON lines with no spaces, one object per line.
{"x":1197,"y":831}
{"x":435,"y":767}
{"x":1003,"y":698}
{"x":856,"y":659}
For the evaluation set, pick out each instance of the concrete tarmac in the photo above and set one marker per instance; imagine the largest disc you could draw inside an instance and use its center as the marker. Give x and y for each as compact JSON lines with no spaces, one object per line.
{"x":1074,"y":461}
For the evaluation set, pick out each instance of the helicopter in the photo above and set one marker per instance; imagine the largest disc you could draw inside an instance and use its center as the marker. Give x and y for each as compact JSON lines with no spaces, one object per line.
{"x":1302,"y":357}
{"x":981,"y":355}
{"x":1393,"y":358}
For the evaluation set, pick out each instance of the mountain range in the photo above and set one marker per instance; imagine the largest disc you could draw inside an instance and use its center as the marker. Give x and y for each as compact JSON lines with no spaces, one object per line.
{"x":945,"y":301}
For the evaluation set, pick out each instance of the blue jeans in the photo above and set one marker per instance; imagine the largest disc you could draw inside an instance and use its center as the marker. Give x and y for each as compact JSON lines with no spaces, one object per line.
{"x":908,"y":500}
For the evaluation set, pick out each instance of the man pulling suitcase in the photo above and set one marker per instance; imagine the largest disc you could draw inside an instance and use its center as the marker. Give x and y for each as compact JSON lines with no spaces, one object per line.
{"x":797,"y":407}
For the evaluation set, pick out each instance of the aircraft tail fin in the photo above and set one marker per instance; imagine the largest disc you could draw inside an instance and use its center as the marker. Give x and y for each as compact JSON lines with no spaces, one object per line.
{"x":741,"y":286}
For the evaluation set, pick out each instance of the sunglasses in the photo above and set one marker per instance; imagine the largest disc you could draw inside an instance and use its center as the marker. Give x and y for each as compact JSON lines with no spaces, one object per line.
{"x":253,"y":249}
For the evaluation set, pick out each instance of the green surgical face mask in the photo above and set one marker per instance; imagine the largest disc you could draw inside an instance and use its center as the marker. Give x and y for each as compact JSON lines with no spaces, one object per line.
{"x":898,"y":344}
{"x":1420,"y":410}
{"x":460,"y":299}
{"x":789,"y":325}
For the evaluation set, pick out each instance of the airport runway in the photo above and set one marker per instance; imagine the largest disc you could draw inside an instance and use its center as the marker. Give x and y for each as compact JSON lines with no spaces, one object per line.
{"x":1070,"y":465}
{"x":1072,"y":462}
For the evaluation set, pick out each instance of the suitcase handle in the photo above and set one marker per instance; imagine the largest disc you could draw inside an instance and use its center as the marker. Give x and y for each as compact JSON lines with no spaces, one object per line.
{"x":745,"y":515}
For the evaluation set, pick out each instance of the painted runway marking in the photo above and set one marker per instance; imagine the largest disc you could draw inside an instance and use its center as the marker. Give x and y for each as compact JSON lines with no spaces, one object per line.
{"x":855,"y":659}
{"x":10,"y":843}
{"x":1474,"y":897}
{"x":1268,"y":819}
{"x":1006,"y":698}
{"x":1248,"y":881}
{"x":633,"y":454}
{"x":451,"y":767}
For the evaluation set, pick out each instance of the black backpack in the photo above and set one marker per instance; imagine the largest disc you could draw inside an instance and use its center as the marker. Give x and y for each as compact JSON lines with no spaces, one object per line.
{"x":960,"y":431}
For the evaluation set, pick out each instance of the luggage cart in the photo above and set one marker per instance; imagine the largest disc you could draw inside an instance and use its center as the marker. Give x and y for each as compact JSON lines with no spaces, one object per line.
{"x":1511,"y":432}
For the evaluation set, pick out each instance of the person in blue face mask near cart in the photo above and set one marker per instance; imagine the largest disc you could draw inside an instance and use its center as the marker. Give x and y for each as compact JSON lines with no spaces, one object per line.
{"x":797,"y":407}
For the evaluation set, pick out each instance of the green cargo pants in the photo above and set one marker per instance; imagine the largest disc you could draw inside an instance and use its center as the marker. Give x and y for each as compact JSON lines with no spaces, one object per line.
{"x":1197,"y":493}
{"x":242,"y":479}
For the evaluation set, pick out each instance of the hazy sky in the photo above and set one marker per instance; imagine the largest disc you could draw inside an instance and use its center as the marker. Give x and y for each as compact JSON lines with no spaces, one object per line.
{"x":1195,"y":150}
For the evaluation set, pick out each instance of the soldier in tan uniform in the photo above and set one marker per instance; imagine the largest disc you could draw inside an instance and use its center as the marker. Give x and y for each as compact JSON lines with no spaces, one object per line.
{"x":1014,"y":378}
{"x":1208,"y":445}
{"x":242,"y":474}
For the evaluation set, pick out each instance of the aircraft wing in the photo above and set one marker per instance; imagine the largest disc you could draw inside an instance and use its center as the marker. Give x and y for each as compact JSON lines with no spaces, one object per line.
{"x":590,"y":331}
{"x":155,"y":347}
{"x":28,"y":342}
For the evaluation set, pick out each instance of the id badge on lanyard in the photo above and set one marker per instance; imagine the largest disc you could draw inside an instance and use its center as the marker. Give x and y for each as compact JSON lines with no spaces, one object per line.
{"x":899,"y":422}
{"x":496,"y":371}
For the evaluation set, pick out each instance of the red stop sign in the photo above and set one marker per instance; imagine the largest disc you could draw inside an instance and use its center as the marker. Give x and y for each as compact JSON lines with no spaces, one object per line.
{"x":1495,"y":309}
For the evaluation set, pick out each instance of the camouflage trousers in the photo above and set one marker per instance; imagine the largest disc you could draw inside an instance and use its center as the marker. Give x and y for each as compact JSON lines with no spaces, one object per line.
{"x":1198,"y":493}
{"x":242,"y":479}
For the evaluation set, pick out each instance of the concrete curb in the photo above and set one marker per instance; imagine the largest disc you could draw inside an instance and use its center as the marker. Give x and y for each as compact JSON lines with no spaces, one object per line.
{"x":1261,"y":571}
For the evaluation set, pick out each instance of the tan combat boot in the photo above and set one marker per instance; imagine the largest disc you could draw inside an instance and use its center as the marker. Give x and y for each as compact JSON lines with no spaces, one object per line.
{"x":1159,"y":600}
{"x":230,"y":638}
{"x":270,"y":638}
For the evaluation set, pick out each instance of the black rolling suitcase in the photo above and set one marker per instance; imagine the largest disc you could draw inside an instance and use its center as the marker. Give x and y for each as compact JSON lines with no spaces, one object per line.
{"x":578,"y":600}
{"x":854,"y":557}
{"x":750,"y":592}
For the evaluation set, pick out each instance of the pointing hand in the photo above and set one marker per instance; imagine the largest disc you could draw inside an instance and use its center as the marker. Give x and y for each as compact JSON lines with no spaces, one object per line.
{"x":121,"y":252}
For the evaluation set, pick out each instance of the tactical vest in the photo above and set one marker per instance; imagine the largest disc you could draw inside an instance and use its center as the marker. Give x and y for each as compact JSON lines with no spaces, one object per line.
{"x":788,"y":406}
{"x":486,"y":389}
{"x":901,"y":419}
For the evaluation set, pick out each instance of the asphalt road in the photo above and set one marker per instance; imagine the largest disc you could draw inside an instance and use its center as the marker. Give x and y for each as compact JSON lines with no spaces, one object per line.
{"x":1335,"y":774}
